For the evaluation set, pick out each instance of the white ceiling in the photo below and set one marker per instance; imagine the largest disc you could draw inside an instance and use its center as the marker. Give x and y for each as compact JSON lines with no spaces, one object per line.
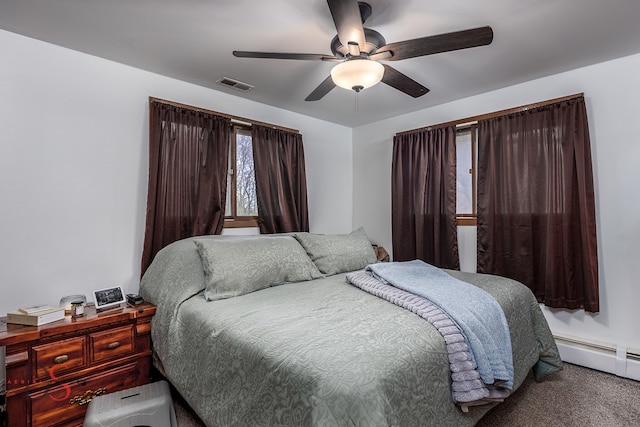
{"x":192,"y":40}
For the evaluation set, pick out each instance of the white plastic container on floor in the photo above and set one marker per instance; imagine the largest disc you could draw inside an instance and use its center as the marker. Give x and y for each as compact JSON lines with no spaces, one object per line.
{"x":147,"y":405}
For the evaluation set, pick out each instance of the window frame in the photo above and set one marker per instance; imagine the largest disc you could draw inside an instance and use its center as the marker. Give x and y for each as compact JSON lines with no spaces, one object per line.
{"x":471,"y":219}
{"x":234,"y":220}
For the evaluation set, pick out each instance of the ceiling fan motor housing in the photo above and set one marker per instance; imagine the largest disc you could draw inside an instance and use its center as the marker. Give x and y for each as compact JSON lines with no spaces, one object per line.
{"x":374,"y":40}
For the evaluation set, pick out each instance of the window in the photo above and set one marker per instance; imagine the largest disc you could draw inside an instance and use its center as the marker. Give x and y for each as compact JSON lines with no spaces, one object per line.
{"x":466,"y":140}
{"x":242,"y":206}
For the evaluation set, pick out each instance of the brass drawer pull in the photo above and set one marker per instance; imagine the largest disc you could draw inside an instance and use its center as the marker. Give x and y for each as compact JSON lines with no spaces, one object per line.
{"x":113,"y":345}
{"x":87,"y":396}
{"x":60,"y":359}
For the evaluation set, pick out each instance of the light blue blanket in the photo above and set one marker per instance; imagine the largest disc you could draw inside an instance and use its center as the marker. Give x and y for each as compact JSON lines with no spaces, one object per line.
{"x":478,"y":314}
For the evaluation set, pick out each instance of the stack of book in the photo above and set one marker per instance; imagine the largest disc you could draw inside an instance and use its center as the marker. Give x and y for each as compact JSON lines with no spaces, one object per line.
{"x":36,"y":315}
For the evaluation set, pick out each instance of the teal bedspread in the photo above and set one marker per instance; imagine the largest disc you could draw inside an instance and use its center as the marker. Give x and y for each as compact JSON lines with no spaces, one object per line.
{"x":319,"y":353}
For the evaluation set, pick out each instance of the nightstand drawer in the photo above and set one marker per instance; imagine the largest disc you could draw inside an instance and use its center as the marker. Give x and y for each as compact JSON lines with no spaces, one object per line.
{"x":68,"y":401}
{"x":56,"y":357}
{"x":111,"y":343}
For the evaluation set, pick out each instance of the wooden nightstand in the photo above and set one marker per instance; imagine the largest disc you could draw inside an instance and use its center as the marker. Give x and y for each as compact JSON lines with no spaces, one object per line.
{"x":53,"y":371}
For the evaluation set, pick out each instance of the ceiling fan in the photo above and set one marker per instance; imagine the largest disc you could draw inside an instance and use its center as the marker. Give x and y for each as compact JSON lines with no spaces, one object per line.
{"x":358,"y":50}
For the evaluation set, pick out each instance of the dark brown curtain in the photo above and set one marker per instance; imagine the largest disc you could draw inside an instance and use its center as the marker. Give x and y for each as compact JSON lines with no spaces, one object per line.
{"x":424,"y":197}
{"x":281,"y":183}
{"x":536,"y":208}
{"x":188,"y":157}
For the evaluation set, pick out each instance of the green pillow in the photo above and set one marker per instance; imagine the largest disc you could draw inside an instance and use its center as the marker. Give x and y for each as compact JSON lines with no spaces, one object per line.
{"x":338,"y":253}
{"x":237,"y":267}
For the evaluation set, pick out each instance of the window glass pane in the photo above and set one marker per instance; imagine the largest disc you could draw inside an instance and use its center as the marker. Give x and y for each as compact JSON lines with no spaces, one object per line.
{"x":246,"y":202}
{"x":464,"y":194}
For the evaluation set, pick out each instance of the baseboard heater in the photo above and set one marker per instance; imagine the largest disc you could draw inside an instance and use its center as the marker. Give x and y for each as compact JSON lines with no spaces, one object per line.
{"x":615,"y":359}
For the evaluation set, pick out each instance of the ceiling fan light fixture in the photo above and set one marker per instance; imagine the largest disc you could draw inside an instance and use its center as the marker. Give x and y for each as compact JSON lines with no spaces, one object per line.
{"x":357,"y":74}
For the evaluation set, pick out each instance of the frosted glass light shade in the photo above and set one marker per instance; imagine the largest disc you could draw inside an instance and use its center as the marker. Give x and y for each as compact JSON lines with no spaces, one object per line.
{"x":357,"y":74}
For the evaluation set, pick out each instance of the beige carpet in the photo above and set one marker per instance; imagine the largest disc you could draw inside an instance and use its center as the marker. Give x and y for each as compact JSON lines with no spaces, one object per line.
{"x":574,"y":397}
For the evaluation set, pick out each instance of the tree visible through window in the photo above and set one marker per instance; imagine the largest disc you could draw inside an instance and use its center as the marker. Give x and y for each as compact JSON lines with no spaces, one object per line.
{"x":242,"y":206}
{"x":246,"y":204}
{"x":466,"y":175}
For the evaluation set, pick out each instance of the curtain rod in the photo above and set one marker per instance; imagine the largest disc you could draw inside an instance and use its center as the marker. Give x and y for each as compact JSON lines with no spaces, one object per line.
{"x":474,"y":119}
{"x":235,"y":119}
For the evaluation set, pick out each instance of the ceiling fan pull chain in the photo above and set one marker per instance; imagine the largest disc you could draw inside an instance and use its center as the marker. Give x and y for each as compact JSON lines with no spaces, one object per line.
{"x":356,"y":101}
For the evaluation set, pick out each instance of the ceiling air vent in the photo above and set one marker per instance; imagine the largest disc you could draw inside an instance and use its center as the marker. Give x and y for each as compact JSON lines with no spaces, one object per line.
{"x":226,"y":81}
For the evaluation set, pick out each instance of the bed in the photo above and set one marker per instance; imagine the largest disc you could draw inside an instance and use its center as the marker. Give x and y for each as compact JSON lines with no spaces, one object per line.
{"x":265,"y":330}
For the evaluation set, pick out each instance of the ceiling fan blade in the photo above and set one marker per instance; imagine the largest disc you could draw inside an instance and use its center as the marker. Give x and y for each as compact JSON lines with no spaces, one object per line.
{"x":381,"y":55}
{"x":397,"y":80}
{"x":348,"y":21}
{"x":440,"y":43}
{"x":281,"y":55}
{"x":323,"y":89}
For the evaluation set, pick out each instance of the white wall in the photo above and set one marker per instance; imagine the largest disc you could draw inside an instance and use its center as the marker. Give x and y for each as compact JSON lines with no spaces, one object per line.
{"x":73,"y":173}
{"x":612,"y":92}
{"x":73,"y":168}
